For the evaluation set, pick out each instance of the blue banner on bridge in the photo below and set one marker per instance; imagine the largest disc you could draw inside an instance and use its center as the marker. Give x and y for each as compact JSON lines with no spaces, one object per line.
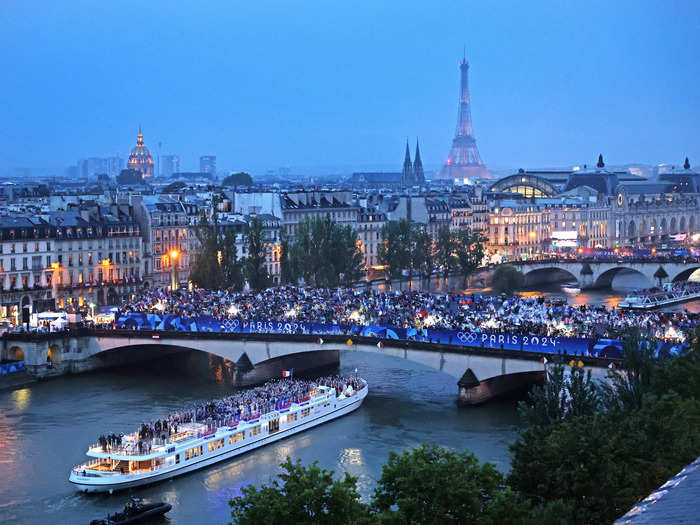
{"x":521,"y":342}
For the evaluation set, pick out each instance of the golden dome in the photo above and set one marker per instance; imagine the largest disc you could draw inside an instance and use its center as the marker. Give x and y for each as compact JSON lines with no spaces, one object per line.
{"x":140,"y":158}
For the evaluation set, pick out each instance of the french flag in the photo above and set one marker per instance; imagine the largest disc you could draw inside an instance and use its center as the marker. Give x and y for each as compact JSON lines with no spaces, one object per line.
{"x":287,"y":373}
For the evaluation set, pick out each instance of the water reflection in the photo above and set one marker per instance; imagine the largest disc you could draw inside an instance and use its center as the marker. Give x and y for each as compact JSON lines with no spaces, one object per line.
{"x":21,"y":398}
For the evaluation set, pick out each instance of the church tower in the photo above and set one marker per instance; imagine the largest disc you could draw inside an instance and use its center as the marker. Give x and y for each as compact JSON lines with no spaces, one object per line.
{"x":407,"y":174}
{"x":418,"y":174}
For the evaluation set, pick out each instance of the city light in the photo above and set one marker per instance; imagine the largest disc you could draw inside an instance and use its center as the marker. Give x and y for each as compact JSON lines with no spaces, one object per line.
{"x":174,"y":254}
{"x":233,"y":310}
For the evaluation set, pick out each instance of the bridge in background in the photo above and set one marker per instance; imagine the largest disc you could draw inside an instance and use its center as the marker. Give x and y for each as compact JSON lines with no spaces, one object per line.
{"x":600,"y":274}
{"x":481,"y":373}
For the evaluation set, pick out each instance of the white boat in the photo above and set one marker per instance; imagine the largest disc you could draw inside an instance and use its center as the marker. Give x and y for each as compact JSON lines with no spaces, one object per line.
{"x":669,"y":295}
{"x":195,"y":445}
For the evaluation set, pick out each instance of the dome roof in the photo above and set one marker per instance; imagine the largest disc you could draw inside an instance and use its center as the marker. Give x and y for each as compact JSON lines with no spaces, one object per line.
{"x":140,"y":158}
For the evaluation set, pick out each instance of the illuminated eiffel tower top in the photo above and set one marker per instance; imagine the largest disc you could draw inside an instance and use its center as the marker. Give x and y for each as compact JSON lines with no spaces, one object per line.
{"x":464,"y":159}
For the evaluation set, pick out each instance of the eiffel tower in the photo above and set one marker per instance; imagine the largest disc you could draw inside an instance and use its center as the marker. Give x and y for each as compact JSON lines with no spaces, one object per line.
{"x":464,"y":159}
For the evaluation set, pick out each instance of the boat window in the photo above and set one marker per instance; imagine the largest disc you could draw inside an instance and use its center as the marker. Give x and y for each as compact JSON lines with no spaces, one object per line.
{"x":273,"y":426}
{"x":235,"y":438}
{"x":305,"y":412}
{"x":215,"y":445}
{"x":291,"y":418}
{"x":193,"y":452}
{"x":255,"y":431}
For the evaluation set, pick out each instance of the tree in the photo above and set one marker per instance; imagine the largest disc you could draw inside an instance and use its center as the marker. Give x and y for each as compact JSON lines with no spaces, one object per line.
{"x":469,"y":250}
{"x":506,"y":279}
{"x":445,"y":251}
{"x":303,"y":496}
{"x":216,"y":265}
{"x":255,"y":267}
{"x":174,"y":187}
{"x":430,"y":485}
{"x":325,"y":254}
{"x":422,"y":253}
{"x":394,"y":250}
{"x":238,"y":179}
{"x":129,"y":176}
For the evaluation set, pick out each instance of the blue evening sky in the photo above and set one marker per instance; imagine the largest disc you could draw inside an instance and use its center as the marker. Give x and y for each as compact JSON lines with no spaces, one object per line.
{"x":331,"y":85}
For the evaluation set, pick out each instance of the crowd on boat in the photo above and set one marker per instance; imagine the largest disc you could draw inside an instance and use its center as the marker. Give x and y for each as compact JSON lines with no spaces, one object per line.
{"x":246,"y":405}
{"x":412,"y":309}
{"x":679,"y":287}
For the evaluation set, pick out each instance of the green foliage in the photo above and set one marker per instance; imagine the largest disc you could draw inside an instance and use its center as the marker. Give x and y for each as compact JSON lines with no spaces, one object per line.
{"x":238,"y":179}
{"x":422,"y":252}
{"x":599,"y":449}
{"x":255,"y":267}
{"x":129,"y":176}
{"x":430,"y":485}
{"x":301,"y":495}
{"x":174,"y":187}
{"x":469,"y":251}
{"x":395,"y":248}
{"x":324,"y":253}
{"x":216,"y":265}
{"x":506,"y":279}
{"x":445,"y":256}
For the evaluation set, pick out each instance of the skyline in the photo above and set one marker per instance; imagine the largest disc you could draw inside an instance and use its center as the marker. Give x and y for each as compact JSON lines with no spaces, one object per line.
{"x":305,"y":86}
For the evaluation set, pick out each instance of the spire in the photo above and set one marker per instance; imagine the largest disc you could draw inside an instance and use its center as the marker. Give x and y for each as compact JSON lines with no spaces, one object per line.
{"x":686,"y":164}
{"x":600,"y":164}
{"x":418,"y":174}
{"x":407,"y":173}
{"x":407,"y":157}
{"x":139,"y":137}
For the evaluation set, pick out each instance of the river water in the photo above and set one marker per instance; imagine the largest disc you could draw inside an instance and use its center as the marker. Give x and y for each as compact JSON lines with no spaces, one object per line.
{"x":46,"y":427}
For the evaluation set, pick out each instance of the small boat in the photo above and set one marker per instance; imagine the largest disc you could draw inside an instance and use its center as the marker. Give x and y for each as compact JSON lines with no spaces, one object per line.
{"x":135,"y":511}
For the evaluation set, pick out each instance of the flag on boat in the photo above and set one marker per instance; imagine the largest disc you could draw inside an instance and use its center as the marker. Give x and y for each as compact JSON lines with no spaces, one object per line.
{"x":287,"y":373}
{"x":320,"y":341}
{"x":380,"y":345}
{"x":544,"y":360}
{"x":611,"y":366}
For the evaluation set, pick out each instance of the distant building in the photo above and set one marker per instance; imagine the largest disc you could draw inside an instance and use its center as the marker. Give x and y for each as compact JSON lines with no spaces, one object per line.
{"x":412,"y":174}
{"x":207,"y":164}
{"x":169,"y":164}
{"x":140,"y":158}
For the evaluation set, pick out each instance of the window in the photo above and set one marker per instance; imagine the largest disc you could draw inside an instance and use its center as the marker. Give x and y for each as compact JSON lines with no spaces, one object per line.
{"x":215,"y":445}
{"x":305,"y":412}
{"x":255,"y":431}
{"x":235,"y":438}
{"x":193,"y":452}
{"x":291,"y":418}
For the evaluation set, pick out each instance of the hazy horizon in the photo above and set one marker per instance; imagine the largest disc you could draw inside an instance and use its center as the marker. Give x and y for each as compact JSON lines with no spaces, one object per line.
{"x":311,"y":85}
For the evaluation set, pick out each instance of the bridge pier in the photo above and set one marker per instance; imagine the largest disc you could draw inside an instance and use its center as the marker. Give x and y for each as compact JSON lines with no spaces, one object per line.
{"x":473,"y":392}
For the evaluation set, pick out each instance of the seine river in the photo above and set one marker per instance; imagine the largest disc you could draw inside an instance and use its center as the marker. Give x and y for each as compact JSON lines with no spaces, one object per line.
{"x":46,"y":427}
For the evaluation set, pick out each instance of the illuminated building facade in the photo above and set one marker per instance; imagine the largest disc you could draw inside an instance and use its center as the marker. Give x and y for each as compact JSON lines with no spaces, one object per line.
{"x":140,"y":158}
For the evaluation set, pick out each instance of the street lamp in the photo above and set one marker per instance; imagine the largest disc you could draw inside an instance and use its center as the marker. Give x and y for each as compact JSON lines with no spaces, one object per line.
{"x":174,"y":254}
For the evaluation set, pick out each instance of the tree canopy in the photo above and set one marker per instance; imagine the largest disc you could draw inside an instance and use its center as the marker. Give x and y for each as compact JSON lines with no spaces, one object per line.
{"x":216,"y":265}
{"x":255,"y":266}
{"x":324,"y":253}
{"x":238,"y":179}
{"x":507,"y":279}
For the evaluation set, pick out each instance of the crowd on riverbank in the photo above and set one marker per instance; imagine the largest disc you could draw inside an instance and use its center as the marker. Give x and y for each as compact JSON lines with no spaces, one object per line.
{"x":229,"y":411}
{"x":410,"y":309}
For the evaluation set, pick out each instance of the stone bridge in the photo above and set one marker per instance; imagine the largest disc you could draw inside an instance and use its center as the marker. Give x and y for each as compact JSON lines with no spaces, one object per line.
{"x":481,"y":373}
{"x":600,"y":274}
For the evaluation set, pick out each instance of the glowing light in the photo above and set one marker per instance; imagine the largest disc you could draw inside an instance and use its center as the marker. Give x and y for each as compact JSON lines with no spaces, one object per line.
{"x":532,"y":235}
{"x":105,"y":262}
{"x":355,"y":316}
{"x":174,"y":254}
{"x":233,"y":310}
{"x":290,"y":313}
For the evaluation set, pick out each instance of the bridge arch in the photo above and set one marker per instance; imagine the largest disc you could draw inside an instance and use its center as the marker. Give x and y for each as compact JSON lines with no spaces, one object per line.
{"x":549,"y":274}
{"x":687,"y":274}
{"x":605,"y":279}
{"x":13,"y":353}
